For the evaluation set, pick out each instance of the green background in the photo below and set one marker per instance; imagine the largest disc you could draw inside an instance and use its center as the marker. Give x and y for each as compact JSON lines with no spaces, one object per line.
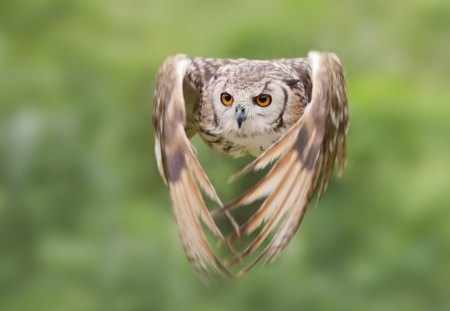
{"x":86,"y":222}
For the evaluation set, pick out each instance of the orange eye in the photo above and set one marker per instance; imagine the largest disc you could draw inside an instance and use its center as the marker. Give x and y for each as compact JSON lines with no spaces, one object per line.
{"x":226,"y":99}
{"x":263,"y":100}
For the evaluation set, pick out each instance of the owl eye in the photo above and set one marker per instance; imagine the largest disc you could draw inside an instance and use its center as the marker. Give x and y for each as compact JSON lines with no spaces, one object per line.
{"x":263,"y":100}
{"x":226,"y":99}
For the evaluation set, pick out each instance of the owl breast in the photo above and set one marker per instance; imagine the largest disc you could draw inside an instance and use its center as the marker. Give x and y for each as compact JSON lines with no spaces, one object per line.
{"x":237,"y":145}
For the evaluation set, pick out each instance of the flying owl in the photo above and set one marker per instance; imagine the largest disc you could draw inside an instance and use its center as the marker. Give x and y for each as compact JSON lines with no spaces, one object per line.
{"x":288,"y":113}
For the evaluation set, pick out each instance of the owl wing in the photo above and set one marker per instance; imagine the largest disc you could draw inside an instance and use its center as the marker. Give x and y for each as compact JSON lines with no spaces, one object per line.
{"x":177,"y":162}
{"x":303,"y":159}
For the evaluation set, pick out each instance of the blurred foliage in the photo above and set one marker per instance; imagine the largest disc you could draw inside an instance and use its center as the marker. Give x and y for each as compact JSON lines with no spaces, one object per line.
{"x":85,"y":220}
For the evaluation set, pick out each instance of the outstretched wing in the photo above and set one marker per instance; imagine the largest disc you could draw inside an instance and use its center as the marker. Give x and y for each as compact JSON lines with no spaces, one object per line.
{"x":304,"y":159}
{"x":177,"y":162}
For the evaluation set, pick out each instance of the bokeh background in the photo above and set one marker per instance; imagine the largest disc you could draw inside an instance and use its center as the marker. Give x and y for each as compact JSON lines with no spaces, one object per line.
{"x":85,"y":220}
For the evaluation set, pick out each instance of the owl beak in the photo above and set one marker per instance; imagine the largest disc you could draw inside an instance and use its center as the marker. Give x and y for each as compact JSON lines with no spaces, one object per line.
{"x":240,"y":115}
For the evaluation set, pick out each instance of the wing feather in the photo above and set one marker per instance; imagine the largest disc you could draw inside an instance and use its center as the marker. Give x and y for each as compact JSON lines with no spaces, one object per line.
{"x":180,"y":168}
{"x":304,"y":160}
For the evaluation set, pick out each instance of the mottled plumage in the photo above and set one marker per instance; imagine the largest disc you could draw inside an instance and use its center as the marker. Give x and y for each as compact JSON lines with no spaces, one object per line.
{"x":289,"y":112}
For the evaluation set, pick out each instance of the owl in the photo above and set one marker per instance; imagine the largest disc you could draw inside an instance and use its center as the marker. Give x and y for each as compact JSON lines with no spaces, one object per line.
{"x":290,"y":114}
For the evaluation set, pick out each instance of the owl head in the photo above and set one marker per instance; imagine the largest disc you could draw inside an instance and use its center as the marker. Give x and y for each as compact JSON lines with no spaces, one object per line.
{"x":251,"y":98}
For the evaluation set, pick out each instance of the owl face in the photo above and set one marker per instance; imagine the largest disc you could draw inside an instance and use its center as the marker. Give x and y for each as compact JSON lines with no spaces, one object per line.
{"x":251,"y":102}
